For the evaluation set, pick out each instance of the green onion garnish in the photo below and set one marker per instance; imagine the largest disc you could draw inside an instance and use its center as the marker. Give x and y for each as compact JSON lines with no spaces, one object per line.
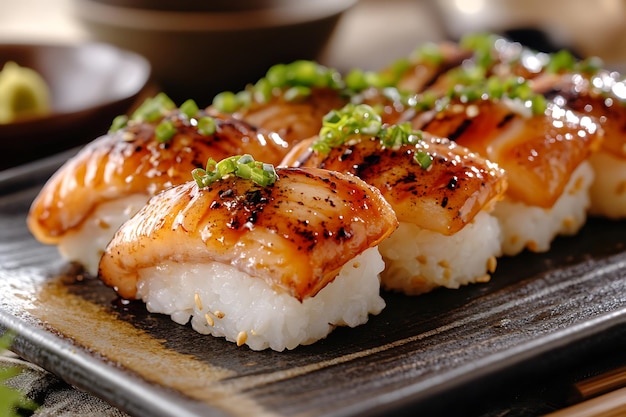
{"x":152,"y":109}
{"x":482,"y":45}
{"x":297,"y":92}
{"x":280,"y":79}
{"x":243,"y":166}
{"x":118,"y":123}
{"x":424,"y":159}
{"x":164,"y":131}
{"x":590,"y":65}
{"x":340,"y":126}
{"x":226,"y":102}
{"x":189,"y":108}
{"x":562,"y":60}
{"x":429,"y":53}
{"x":207,"y":126}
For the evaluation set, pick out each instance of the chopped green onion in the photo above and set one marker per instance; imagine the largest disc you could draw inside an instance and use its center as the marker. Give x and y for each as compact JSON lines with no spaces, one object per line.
{"x":590,"y":65}
{"x":207,"y":126}
{"x":424,"y":159}
{"x":296,"y":93}
{"x":118,"y":123}
{"x":538,"y":104}
{"x":226,"y":102}
{"x":561,"y":60}
{"x":164,"y":131}
{"x":429,"y":53}
{"x":482,"y":46}
{"x":356,"y":80}
{"x":243,"y":166}
{"x":303,"y":73}
{"x":395,"y":136}
{"x":263,"y":90}
{"x":339,"y":126}
{"x":152,"y":109}
{"x":189,"y":108}
{"x":277,"y":75}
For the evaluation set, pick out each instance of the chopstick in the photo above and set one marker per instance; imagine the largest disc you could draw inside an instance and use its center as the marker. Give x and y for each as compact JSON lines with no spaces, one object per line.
{"x":602,"y":383}
{"x":612,"y":404}
{"x":603,"y":395}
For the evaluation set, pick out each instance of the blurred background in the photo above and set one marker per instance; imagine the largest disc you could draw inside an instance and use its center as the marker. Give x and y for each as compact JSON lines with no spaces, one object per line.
{"x":198,"y":48}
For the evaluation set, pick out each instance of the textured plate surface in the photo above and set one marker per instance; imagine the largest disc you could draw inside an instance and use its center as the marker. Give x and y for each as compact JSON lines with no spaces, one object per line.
{"x":417,"y":348}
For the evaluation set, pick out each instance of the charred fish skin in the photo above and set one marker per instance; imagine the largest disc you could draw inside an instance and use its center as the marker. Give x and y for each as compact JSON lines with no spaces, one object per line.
{"x":444,"y":197}
{"x":539,"y":151}
{"x":133,"y":160}
{"x":295,"y":234}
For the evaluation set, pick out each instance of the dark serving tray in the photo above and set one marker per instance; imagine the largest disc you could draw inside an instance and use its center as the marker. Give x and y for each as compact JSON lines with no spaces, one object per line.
{"x":417,"y":350}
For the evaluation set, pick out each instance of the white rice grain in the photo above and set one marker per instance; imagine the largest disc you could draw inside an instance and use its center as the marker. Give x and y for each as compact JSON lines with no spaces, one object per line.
{"x":86,"y":243}
{"x":224,"y":302}
{"x":608,"y":190}
{"x":419,"y":260}
{"x":534,"y":228}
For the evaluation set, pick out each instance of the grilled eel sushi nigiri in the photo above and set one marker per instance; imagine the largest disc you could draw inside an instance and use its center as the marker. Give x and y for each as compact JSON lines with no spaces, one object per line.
{"x":273,"y":265}
{"x":441,"y":192}
{"x":291,"y":99}
{"x":84,"y":202}
{"x":545,"y":152}
{"x":582,"y":85}
{"x":600,"y":94}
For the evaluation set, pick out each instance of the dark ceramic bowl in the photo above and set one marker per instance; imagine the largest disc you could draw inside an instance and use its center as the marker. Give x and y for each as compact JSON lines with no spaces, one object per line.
{"x":196,"y":52}
{"x":89,"y":85}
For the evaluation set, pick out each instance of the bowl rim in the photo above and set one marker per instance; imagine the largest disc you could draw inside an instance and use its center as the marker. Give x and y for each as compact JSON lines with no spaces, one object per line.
{"x":289,"y":13}
{"x":138,"y":60}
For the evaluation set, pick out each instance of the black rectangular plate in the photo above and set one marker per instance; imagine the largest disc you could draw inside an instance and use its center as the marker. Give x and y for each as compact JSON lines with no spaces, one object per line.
{"x":417,"y":349}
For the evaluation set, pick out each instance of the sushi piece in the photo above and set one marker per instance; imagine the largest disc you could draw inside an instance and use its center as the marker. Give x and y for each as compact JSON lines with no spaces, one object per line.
{"x":441,"y":192}
{"x":544,"y":148}
{"x":424,"y":66}
{"x":111,"y":178}
{"x":581,"y":85}
{"x":290,"y":100}
{"x":262,"y":257}
{"x":601,"y":94}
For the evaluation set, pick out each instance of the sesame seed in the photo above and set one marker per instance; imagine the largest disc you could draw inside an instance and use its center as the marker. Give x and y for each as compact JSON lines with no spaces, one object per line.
{"x":241,"y":338}
{"x":196,"y":298}
{"x":569,"y":222}
{"x":532,"y":246}
{"x":103,"y":224}
{"x":219,"y":314}
{"x":209,"y":319}
{"x":356,"y":265}
{"x":484,"y":278}
{"x":492,"y":263}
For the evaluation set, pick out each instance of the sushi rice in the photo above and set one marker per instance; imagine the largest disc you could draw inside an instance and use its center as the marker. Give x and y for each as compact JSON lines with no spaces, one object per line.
{"x":419,"y":260}
{"x":608,"y":190}
{"x":86,"y":244}
{"x":225,"y":302}
{"x":534,"y":228}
